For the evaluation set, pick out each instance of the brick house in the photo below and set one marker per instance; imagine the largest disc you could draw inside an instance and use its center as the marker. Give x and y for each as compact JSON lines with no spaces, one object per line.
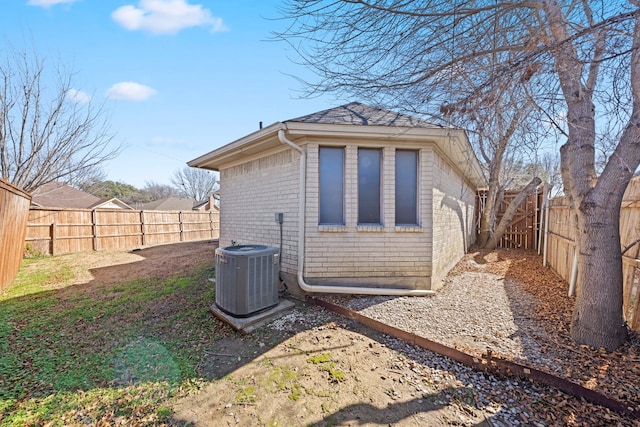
{"x":373,"y":201}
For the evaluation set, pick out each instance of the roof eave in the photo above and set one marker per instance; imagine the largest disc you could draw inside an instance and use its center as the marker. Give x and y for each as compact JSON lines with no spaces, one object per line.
{"x":462,"y":154}
{"x":355,"y":131}
{"x":211,"y":160}
{"x":452,"y":141}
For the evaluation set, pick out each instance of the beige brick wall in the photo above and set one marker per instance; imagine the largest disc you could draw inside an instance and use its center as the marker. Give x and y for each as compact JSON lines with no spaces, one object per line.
{"x":374,"y":252}
{"x":250,"y":196}
{"x":453,"y":213}
{"x":404,"y":256}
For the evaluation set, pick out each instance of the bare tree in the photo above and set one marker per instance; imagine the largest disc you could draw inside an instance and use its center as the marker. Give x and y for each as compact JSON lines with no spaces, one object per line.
{"x":156,"y":191}
{"x":197,"y":184}
{"x":86,"y":178}
{"x":44,"y":136}
{"x":582,"y":60}
{"x":129,"y":194}
{"x":456,"y":94}
{"x":500,"y":123}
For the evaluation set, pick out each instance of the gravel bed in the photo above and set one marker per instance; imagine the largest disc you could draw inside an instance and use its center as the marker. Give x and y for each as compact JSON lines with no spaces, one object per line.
{"x":485,"y":304}
{"x":505,"y":401}
{"x":472,"y":312}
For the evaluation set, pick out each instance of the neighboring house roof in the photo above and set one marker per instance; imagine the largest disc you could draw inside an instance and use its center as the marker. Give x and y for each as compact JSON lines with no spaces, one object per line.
{"x":354,"y":120}
{"x":113,"y":203}
{"x":170,"y":204}
{"x":206,"y":205}
{"x":59,"y":195}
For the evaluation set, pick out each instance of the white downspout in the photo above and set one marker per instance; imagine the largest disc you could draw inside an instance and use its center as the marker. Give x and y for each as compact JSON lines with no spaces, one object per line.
{"x":301,"y":231}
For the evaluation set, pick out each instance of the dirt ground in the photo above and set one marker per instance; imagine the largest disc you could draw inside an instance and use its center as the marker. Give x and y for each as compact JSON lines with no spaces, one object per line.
{"x":314,"y":368}
{"x":106,"y":267}
{"x":325,"y":375}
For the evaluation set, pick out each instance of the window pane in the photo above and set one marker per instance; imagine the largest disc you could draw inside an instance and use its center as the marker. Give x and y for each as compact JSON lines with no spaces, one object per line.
{"x":331,"y":185}
{"x":369,"y":186}
{"x":406,"y":187}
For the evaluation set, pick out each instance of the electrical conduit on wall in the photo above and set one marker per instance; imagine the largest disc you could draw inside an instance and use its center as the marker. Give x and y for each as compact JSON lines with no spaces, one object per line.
{"x":301,"y":242}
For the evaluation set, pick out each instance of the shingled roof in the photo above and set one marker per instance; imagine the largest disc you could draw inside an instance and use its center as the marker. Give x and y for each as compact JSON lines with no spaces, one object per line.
{"x":170,"y":204}
{"x":356,"y":113}
{"x":353,"y":120}
{"x":59,"y":195}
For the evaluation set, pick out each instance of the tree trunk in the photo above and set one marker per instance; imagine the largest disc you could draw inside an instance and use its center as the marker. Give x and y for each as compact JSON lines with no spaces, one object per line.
{"x":597,"y":317}
{"x":486,"y":219}
{"x":493,"y":240}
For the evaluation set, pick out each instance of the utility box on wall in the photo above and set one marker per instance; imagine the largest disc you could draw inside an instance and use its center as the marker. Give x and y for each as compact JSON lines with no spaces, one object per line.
{"x":246,"y":279}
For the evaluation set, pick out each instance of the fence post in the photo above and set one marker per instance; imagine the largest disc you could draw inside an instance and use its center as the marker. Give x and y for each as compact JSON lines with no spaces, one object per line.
{"x":211,"y":221}
{"x":52,"y":233}
{"x":142,"y":230}
{"x":536,"y":220}
{"x":574,"y":271}
{"x":545,"y":251}
{"x":94,"y":229}
{"x":181,"y":225}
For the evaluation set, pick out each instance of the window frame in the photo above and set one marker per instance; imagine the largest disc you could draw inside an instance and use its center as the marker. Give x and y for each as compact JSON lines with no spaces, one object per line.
{"x":327,"y":196}
{"x":401,"y":185}
{"x":366,"y":207}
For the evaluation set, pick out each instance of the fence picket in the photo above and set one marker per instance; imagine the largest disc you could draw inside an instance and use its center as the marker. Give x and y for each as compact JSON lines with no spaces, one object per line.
{"x":77,"y":230}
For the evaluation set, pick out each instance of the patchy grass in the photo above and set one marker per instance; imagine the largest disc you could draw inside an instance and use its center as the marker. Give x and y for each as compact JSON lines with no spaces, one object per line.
{"x":335,"y":374}
{"x":246,"y":395}
{"x":326,"y":364}
{"x":85,"y":355}
{"x":320,"y":358}
{"x":40,"y":274}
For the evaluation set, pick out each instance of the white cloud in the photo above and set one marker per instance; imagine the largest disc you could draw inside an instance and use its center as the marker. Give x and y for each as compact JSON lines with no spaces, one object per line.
{"x":77,"y":96}
{"x":166,"y":16}
{"x":48,"y":3}
{"x":130,"y":91}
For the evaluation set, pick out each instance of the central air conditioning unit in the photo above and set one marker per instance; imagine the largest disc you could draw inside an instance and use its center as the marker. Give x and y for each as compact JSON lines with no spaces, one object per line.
{"x":246,"y":279}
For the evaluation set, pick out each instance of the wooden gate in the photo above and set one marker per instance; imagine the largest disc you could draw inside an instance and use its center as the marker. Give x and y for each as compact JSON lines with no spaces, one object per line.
{"x":523,"y":231}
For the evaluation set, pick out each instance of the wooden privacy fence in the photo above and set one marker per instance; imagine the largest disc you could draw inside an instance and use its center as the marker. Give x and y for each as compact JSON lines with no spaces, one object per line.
{"x":561,"y":247}
{"x":523,"y":231}
{"x":14,"y":210}
{"x":58,"y":231}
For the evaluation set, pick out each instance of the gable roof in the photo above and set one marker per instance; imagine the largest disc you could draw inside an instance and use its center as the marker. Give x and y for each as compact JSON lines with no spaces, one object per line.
{"x":351,"y":121}
{"x":113,"y":203}
{"x":59,"y":195}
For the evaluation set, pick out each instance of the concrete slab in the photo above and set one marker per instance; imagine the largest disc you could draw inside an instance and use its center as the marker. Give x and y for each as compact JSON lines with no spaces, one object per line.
{"x":250,"y":324}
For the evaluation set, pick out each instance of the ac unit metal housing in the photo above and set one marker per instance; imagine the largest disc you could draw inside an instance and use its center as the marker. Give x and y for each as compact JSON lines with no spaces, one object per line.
{"x":246,"y":279}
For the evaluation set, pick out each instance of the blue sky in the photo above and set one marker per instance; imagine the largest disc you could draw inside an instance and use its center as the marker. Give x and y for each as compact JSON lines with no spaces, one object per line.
{"x":179,"y":78}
